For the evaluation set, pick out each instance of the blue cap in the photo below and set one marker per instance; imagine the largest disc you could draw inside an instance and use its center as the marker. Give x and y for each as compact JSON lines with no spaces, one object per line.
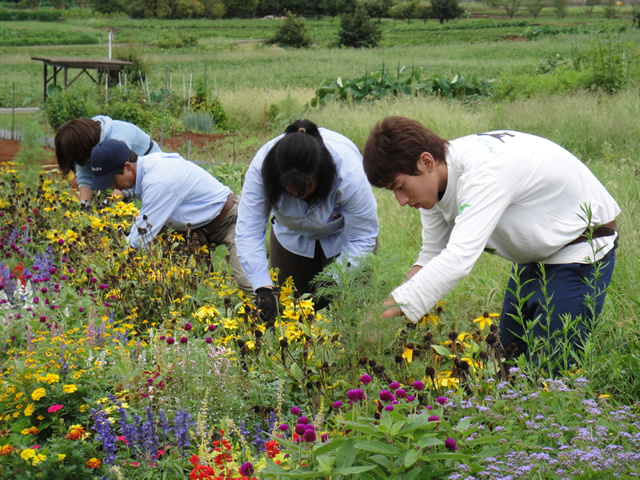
{"x":106,"y":158}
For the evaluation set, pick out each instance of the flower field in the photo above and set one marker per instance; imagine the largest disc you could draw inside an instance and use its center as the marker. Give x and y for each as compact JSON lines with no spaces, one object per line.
{"x":126,"y":364}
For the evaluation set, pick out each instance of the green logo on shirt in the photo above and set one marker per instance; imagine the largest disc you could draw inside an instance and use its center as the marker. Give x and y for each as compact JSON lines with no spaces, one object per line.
{"x":462,"y":207}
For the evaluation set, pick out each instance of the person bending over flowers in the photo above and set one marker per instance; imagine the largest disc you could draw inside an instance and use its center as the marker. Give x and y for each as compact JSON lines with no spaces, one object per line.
{"x":510,"y":193}
{"x":312,"y":182}
{"x":175,"y":193}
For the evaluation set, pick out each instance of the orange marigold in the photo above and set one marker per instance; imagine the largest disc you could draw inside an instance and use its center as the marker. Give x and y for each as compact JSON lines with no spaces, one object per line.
{"x":93,"y":463}
{"x":6,"y":449}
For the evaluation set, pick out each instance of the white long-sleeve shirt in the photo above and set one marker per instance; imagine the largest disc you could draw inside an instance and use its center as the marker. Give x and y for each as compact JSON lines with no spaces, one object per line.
{"x":346,"y":223}
{"x":174,"y":192}
{"x":516,"y":195}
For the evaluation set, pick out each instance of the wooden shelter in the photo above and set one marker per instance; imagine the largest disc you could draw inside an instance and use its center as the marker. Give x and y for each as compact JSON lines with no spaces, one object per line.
{"x":109,"y":67}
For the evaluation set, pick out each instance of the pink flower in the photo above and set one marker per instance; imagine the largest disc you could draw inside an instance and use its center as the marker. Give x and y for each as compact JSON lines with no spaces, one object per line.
{"x":54,"y":408}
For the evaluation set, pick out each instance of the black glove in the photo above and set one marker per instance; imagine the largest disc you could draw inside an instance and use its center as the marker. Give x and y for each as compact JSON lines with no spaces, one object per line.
{"x":267,"y":304}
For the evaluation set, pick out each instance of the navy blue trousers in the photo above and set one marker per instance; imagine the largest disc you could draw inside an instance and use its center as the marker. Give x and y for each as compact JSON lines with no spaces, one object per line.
{"x":570,"y":288}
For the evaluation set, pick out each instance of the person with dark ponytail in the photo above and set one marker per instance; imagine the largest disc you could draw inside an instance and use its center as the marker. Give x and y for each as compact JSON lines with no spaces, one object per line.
{"x":312,"y":184}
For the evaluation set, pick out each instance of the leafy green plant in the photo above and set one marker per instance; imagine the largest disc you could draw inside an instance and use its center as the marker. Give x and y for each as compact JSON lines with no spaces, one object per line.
{"x":405,"y":82}
{"x":292,"y":33}
{"x":65,"y":105}
{"x":358,"y":30}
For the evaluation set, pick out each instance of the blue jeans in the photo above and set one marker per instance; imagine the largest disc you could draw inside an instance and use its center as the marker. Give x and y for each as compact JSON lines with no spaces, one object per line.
{"x":569,"y":291}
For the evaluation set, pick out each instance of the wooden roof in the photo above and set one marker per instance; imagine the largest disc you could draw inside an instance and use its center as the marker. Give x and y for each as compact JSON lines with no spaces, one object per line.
{"x":84,"y":63}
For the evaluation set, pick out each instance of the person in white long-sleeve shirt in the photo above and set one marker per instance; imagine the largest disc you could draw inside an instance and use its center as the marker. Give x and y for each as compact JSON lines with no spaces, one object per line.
{"x":175,"y":193}
{"x":517,"y":195}
{"x":312,"y":181}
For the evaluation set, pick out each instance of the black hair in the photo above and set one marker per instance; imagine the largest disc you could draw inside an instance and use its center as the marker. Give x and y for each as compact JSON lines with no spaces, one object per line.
{"x":132,"y":158}
{"x":298,"y":160}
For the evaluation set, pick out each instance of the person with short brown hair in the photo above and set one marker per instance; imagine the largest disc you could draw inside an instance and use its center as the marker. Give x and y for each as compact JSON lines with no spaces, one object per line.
{"x":517,"y":195}
{"x":76,"y":138}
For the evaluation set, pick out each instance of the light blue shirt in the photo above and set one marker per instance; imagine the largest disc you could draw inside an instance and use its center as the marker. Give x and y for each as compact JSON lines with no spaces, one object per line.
{"x":174,"y":192}
{"x":135,"y":138}
{"x":346,"y":223}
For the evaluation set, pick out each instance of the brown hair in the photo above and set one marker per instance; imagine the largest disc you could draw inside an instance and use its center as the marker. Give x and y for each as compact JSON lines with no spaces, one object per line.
{"x":394,"y":147}
{"x":74,"y":141}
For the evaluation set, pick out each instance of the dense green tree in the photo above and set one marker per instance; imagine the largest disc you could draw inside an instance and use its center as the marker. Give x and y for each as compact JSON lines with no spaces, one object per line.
{"x":509,"y":6}
{"x":423,"y":12}
{"x":269,"y":7}
{"x":150,"y":8}
{"x":445,"y":10}
{"x":108,"y":6}
{"x":358,"y":30}
{"x":378,"y":8}
{"x":292,"y":33}
{"x":403,"y":10}
{"x":534,"y":7}
{"x":213,"y":8}
{"x":240,"y":8}
{"x":188,"y":9}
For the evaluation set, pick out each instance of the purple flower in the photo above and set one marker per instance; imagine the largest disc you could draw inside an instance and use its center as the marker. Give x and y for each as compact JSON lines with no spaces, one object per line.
{"x":303,"y":420}
{"x":365,"y":379}
{"x":184,"y":340}
{"x":283,"y":427}
{"x":103,"y":286}
{"x":212,"y":328}
{"x":386,"y":396}
{"x":389,"y":408}
{"x":171,"y":340}
{"x":162,"y":337}
{"x":208,"y":340}
{"x":337,"y":404}
{"x":295,"y":411}
{"x":401,"y":393}
{"x":60,"y":241}
{"x":434,"y":418}
{"x":246,"y":469}
{"x":394,"y":385}
{"x":442,"y":400}
{"x":451,"y":444}
{"x":418,"y":385}
{"x":324,"y":438}
{"x":355,"y":395}
{"x":188,"y":326}
{"x":309,"y":436}
{"x":410,"y":398}
{"x":300,"y":429}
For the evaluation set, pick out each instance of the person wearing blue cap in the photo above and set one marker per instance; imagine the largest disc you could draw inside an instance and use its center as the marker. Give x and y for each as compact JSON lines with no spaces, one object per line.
{"x":76,"y":138}
{"x":175,"y":193}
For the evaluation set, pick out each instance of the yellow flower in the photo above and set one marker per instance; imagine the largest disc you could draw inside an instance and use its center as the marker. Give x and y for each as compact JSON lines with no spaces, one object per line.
{"x":206,"y":311}
{"x":61,"y":457}
{"x":52,"y":378}
{"x":69,"y":388}
{"x":38,"y":393}
{"x":29,"y":410}
{"x":408,"y":354}
{"x":38,"y":458}
{"x":27,"y":453}
{"x":485,"y":319}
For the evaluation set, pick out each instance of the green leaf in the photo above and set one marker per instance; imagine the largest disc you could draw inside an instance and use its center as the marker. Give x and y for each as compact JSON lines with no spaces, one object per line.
{"x":378,"y":447}
{"x":397,"y":427}
{"x":354,"y":470}
{"x":441,"y":350}
{"x":361,"y":427}
{"x":296,"y":372}
{"x":429,"y":442}
{"x":411,"y":457}
{"x":323,"y":448}
{"x":346,"y":454}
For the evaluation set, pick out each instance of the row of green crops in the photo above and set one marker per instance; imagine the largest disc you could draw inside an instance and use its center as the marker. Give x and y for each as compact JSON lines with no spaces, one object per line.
{"x":404,"y":81}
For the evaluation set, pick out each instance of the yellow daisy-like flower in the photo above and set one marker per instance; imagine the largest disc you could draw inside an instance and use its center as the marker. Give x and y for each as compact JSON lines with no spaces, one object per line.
{"x":52,"y":378}
{"x":27,"y":454}
{"x":69,"y":388}
{"x":61,"y":457}
{"x":485,"y":319}
{"x":38,"y":393}
{"x":29,"y":410}
{"x":38,"y":458}
{"x":206,"y":311}
{"x":407,"y":354}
